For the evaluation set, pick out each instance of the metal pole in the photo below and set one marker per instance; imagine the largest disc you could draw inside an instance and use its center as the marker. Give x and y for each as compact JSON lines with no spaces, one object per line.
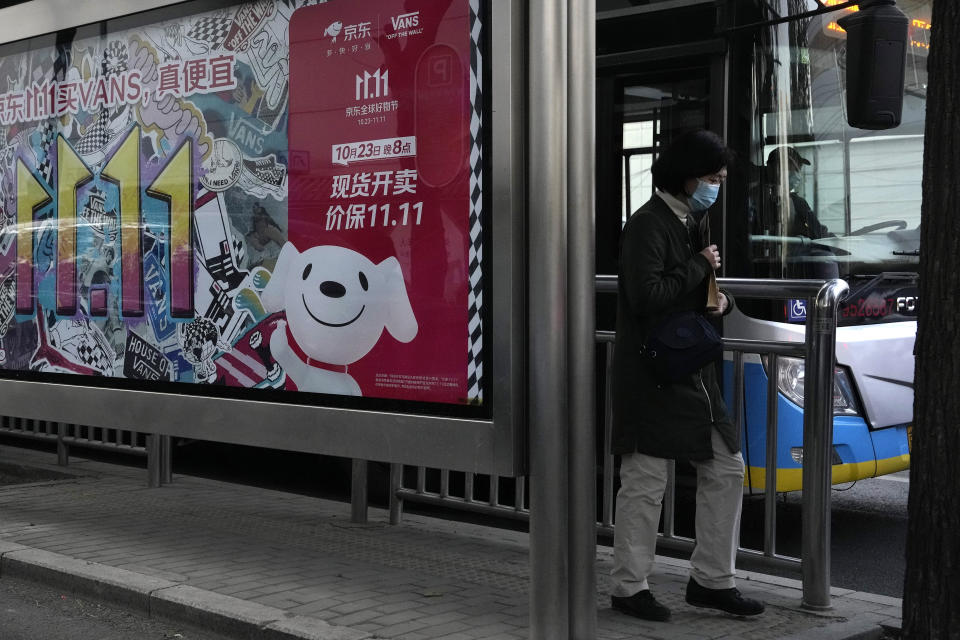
{"x":153,"y":460}
{"x":468,"y":487}
{"x":166,"y":459}
{"x":444,"y":483}
{"x":670,"y":500}
{"x":818,"y":442}
{"x":63,"y":452}
{"x":396,"y":504}
{"x":581,"y":194}
{"x":608,"y":458}
{"x":547,"y":315}
{"x":358,"y":492}
{"x":739,"y":411}
{"x":770,"y":486}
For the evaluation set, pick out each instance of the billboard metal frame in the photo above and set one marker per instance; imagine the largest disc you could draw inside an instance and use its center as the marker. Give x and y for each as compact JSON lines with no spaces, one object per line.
{"x":494,"y":445}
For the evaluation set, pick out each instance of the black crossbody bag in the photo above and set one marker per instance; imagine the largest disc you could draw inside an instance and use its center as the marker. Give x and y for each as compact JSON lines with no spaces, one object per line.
{"x":681,"y":344}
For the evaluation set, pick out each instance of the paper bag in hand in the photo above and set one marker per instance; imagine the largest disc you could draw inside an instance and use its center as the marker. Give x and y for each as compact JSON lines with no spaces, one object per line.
{"x":713,"y":294}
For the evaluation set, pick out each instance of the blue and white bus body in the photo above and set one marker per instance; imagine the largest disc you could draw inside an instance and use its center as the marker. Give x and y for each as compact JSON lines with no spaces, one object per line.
{"x":870,"y":438}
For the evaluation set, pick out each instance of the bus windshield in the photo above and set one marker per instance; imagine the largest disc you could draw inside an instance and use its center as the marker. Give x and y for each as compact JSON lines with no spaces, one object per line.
{"x":825,"y":200}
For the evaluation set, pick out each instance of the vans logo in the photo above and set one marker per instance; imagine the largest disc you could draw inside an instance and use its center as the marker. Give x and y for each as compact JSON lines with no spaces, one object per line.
{"x":406,"y":21}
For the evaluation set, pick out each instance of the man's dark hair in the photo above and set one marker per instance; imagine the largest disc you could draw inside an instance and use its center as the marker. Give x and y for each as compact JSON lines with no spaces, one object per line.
{"x":691,"y":155}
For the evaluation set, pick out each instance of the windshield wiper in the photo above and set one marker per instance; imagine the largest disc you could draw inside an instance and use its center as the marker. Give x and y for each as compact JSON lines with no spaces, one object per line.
{"x":874,"y":279}
{"x":913,"y":252}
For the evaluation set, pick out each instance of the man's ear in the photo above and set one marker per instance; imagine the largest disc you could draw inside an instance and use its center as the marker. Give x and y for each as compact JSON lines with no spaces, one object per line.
{"x":272,"y":296}
{"x":400,"y":321}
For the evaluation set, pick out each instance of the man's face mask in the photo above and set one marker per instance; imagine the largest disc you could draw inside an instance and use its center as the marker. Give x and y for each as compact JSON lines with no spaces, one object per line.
{"x":796,"y":181}
{"x":704,"y":195}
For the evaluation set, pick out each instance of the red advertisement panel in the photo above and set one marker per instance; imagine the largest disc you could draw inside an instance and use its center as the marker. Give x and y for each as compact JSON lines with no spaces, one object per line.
{"x":374,"y":280}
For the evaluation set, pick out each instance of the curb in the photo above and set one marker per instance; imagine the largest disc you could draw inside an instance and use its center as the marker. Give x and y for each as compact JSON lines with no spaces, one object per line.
{"x":158,"y":598}
{"x":853,"y":630}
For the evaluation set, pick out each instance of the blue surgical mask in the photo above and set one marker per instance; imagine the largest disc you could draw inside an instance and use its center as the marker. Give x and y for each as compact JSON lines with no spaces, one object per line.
{"x":704,"y":196}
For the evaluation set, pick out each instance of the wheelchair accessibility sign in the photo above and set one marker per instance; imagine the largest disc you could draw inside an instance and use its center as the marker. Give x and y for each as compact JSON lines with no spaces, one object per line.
{"x":797,"y":310}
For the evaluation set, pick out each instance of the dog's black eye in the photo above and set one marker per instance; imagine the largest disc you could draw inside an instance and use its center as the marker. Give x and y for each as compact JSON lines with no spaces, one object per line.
{"x":363,"y":281}
{"x":306,"y":271}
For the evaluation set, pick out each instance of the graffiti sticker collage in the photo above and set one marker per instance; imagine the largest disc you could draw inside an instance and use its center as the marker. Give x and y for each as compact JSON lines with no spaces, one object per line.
{"x":278,"y":194}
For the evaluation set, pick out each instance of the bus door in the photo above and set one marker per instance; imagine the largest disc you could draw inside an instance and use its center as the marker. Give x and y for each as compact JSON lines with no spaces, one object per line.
{"x":640,"y":108}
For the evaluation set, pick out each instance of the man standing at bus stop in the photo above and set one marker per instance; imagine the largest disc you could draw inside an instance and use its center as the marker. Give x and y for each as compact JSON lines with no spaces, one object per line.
{"x":666,"y":267}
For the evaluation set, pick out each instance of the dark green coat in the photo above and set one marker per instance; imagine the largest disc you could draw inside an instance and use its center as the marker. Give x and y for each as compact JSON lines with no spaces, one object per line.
{"x":661,"y":273}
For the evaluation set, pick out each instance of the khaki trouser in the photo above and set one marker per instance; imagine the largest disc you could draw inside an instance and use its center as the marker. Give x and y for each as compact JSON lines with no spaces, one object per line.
{"x":643,"y":479}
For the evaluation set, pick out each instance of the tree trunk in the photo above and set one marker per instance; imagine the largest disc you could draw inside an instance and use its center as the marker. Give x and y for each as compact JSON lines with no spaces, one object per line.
{"x":931,"y":603}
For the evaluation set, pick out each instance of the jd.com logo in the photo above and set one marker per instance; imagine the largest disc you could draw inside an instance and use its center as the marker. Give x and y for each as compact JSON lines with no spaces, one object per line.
{"x":358,"y":31}
{"x":334,"y":30}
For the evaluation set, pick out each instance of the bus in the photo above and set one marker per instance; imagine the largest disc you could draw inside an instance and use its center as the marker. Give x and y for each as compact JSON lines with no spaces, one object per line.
{"x":809,"y":197}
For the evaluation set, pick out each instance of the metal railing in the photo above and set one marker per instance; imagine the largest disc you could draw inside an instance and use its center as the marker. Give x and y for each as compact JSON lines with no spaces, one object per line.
{"x":768,"y":555}
{"x":434,"y":486}
{"x":485,"y":494}
{"x":157,"y":449}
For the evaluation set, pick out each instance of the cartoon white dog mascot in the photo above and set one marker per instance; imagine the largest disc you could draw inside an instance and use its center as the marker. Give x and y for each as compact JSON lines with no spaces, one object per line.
{"x":337,"y":304}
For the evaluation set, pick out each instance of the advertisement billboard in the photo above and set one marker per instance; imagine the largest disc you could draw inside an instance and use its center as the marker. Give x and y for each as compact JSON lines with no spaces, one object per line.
{"x":272,"y":195}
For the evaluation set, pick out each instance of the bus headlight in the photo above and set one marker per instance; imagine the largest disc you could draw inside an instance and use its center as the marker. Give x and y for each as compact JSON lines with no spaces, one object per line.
{"x":790,"y":379}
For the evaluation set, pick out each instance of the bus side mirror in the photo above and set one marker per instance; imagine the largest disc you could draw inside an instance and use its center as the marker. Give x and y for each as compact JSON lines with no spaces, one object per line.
{"x":876,"y":60}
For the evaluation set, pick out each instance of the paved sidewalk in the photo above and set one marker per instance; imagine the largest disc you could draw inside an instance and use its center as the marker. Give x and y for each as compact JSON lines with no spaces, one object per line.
{"x":255,"y":563}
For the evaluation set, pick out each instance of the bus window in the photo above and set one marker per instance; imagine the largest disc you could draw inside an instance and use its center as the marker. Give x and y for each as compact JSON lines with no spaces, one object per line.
{"x":637,"y":159}
{"x":825,"y":200}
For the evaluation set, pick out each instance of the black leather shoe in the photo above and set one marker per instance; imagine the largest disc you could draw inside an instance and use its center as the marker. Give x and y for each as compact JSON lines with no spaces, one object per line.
{"x":729,"y":600}
{"x":642,"y":604}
